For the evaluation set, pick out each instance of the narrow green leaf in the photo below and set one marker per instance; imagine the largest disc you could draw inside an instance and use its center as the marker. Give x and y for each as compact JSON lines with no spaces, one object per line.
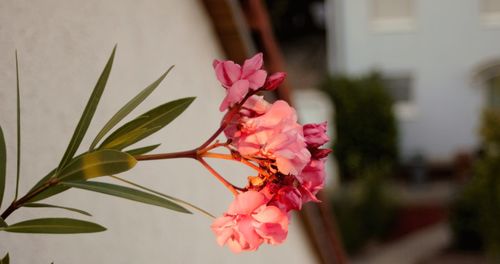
{"x":5,"y":259}
{"x":97,"y":163}
{"x":53,"y":190}
{"x":127,"y":108}
{"x":42,"y":205}
{"x":143,"y":150}
{"x":2,"y":222}
{"x":177,"y":200}
{"x":18,"y":163}
{"x":87,"y":114}
{"x":44,"y":179}
{"x":126,"y":193}
{"x":54,"y":226}
{"x":3,"y":164}
{"x":86,"y":166}
{"x":146,"y":124}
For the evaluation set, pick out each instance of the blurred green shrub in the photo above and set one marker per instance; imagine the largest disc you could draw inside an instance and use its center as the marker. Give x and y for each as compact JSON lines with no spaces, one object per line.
{"x":475,"y":215}
{"x":366,"y":132}
{"x":490,"y":131}
{"x":364,"y":211}
{"x":366,"y":150}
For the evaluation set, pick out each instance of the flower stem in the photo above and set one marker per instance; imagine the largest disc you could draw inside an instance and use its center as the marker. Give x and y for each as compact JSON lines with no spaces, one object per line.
{"x":19,"y":203}
{"x":217,"y":156}
{"x":225,"y":121}
{"x":230,"y":157}
{"x":218,"y":176}
{"x":213,"y":146}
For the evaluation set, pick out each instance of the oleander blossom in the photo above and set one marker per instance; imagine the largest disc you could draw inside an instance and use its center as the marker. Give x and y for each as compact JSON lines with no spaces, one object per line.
{"x":239,"y":80}
{"x":315,"y":135}
{"x":272,"y":133}
{"x":288,"y":158}
{"x":312,"y":178}
{"x":249,"y":222}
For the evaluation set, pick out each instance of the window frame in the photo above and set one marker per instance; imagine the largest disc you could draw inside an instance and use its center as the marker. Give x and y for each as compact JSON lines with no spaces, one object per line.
{"x":392,"y":24}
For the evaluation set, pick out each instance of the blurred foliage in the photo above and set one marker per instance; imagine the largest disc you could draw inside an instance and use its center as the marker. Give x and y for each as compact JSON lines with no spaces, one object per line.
{"x":490,"y":131}
{"x":476,"y":212}
{"x":365,"y":123}
{"x":365,"y":212}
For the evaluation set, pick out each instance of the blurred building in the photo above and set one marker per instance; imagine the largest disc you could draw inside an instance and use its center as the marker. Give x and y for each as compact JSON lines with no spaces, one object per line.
{"x":439,"y":59}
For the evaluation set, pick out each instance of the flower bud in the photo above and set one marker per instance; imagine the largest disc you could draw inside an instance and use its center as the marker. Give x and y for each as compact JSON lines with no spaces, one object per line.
{"x":274,"y":81}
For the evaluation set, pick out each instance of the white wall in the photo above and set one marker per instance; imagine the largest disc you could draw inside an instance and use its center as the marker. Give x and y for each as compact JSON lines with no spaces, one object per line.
{"x":442,"y":52}
{"x":63,"y":46}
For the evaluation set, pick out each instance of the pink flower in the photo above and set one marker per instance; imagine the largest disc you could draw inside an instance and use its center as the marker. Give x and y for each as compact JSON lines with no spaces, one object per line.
{"x":255,"y":106}
{"x":283,"y":194}
{"x":315,"y":134}
{"x":288,"y":198}
{"x":275,"y":135}
{"x":238,"y":80}
{"x":249,"y":222}
{"x":312,"y":179}
{"x":274,"y":81}
{"x":318,"y":153}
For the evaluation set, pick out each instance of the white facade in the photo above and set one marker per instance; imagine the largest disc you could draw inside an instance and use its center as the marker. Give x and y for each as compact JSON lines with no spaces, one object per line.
{"x":439,"y":45}
{"x":63,"y":46}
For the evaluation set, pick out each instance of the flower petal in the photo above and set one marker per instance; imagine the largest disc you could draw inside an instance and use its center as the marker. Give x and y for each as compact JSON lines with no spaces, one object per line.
{"x":245,"y":203}
{"x":227,"y":72}
{"x":257,"y":79}
{"x":235,"y":93}
{"x":250,"y":66}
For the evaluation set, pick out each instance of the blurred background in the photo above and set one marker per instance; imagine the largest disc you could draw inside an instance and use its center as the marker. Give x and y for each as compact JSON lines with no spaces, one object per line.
{"x":410,"y":88}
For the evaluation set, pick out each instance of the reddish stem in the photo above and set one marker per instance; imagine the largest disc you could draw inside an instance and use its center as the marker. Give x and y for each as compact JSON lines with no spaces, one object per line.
{"x":218,"y":176}
{"x":225,"y":121}
{"x":230,"y":157}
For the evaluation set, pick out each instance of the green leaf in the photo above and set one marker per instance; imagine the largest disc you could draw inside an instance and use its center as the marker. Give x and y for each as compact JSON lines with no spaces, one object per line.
{"x":97,"y":163}
{"x":3,"y":164}
{"x":5,"y":260}
{"x":85,"y":166}
{"x":54,"y":226}
{"x":42,"y":205}
{"x":87,"y":114}
{"x":43,"y":180}
{"x":127,"y":193}
{"x":177,"y":200}
{"x":146,"y":124}
{"x":53,"y":190}
{"x":2,"y":222}
{"x":143,"y":150}
{"x":18,"y":163}
{"x":127,"y":108}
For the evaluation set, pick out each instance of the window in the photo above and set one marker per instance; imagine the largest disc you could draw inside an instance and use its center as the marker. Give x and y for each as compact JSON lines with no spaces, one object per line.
{"x":392,"y":15}
{"x":400,"y":87}
{"x":490,"y":6}
{"x":490,"y":12}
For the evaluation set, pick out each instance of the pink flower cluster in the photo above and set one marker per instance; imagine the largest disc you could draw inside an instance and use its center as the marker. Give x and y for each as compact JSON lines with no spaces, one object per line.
{"x":288,"y":157}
